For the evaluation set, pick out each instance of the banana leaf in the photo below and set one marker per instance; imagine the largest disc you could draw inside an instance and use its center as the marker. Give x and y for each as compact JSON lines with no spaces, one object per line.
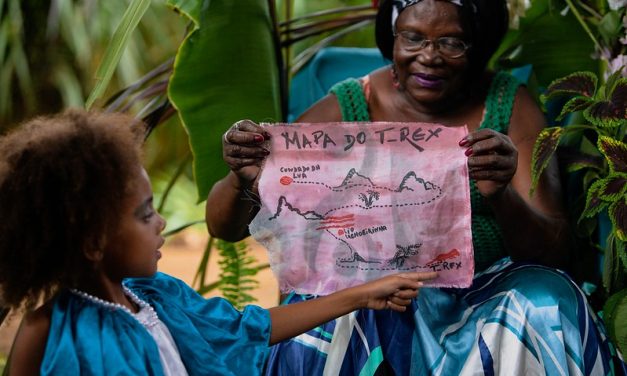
{"x":227,"y":69}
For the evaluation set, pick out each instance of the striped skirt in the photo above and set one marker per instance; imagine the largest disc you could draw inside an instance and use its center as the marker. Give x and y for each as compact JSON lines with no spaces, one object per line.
{"x":516,"y":319}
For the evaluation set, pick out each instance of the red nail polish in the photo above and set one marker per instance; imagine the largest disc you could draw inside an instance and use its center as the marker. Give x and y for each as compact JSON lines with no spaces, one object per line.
{"x":258,"y":138}
{"x":468,"y":152}
{"x":463,"y":142}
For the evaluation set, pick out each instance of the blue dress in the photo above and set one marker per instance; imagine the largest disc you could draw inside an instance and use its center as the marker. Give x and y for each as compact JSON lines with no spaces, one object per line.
{"x":212,"y":337}
{"x":515,"y":319}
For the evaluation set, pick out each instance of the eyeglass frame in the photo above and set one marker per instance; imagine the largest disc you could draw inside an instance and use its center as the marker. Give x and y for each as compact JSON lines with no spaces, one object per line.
{"x":436,"y":44}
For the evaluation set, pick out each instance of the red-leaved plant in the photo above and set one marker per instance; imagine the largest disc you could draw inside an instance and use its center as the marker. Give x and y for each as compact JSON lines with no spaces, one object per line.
{"x":599,"y":133}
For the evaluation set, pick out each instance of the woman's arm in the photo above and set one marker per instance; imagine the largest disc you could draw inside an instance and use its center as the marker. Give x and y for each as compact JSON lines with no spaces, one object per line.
{"x":232,"y":202}
{"x":29,"y":346}
{"x":394,"y":292}
{"x":230,"y":208}
{"x":534,"y":228}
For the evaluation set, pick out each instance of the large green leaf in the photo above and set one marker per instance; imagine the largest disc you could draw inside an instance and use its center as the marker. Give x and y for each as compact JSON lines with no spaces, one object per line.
{"x":554,"y":44}
{"x":615,"y":315}
{"x":225,"y":70}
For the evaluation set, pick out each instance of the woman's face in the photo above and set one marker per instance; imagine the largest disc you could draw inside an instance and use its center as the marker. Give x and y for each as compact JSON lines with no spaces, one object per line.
{"x":426,"y":74}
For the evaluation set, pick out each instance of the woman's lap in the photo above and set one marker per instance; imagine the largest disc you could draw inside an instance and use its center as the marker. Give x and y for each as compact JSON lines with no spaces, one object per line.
{"x":515,"y":319}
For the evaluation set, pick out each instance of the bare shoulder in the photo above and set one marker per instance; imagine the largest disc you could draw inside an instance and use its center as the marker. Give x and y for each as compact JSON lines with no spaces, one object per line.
{"x":30,"y":342}
{"x":325,"y":110}
{"x":527,"y":119}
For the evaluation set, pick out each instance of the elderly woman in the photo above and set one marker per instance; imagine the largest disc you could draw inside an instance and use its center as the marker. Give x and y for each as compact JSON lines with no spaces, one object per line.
{"x":520,"y":316}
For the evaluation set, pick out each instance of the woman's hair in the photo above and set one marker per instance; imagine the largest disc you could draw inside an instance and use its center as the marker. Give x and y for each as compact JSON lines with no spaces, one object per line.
{"x":62,"y":183}
{"x":485,"y":23}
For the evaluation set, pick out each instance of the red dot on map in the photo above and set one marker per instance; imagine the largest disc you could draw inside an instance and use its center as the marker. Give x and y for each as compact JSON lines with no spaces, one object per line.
{"x":286,"y":180}
{"x":340,"y":232}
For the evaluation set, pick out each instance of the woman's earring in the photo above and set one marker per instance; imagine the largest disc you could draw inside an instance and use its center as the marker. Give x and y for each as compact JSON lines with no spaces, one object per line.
{"x":394,"y":74}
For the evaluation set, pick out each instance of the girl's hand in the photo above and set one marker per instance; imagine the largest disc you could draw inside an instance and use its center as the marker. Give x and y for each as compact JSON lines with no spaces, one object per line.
{"x":492,"y":160}
{"x":242,"y":149}
{"x":394,"y":292}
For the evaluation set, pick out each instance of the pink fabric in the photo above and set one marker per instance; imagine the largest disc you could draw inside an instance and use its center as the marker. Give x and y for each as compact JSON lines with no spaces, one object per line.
{"x":345,"y":203}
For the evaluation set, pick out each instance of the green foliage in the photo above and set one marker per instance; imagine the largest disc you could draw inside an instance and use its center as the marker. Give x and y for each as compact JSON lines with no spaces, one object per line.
{"x":238,"y":272}
{"x":604,"y":184}
{"x":119,"y":40}
{"x":542,"y":152}
{"x":49,"y":51}
{"x":225,"y":70}
{"x":549,"y":40}
{"x":306,"y":27}
{"x":615,"y":318}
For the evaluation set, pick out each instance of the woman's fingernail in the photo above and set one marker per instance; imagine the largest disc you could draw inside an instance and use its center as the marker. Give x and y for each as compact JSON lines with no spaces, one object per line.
{"x":266,"y":151}
{"x":258,"y":138}
{"x":468,"y":152}
{"x":463,"y":142}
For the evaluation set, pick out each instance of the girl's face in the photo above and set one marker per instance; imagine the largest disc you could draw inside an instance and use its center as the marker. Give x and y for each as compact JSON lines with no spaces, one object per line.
{"x":426,"y":74}
{"x":134,"y":250}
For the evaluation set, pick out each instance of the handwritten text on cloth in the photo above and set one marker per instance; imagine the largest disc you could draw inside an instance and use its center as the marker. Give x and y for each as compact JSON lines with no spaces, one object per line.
{"x":345,"y":203}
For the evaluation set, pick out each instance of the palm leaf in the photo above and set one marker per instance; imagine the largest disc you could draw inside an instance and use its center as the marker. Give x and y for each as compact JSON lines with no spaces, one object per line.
{"x":116,"y":47}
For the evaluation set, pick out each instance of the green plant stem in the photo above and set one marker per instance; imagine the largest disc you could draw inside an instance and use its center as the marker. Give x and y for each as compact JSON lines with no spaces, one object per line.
{"x":590,"y":10}
{"x":583,"y":23}
{"x":326,"y":13}
{"x":177,"y":174}
{"x":183,"y":227}
{"x":306,"y":55}
{"x":315,"y":28}
{"x":201,"y":271}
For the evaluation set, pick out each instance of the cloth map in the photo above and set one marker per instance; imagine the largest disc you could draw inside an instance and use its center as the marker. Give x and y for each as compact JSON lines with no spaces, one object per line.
{"x":345,"y":203}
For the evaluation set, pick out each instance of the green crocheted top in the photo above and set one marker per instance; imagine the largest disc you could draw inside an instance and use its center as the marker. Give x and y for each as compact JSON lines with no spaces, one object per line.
{"x":486,"y":233}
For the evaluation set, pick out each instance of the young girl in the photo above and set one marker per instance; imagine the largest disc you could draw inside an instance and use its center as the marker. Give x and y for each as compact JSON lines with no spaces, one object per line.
{"x":79,"y":232}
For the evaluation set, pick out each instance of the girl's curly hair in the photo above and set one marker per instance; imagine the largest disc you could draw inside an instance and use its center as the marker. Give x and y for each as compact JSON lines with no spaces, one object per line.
{"x":62,"y":182}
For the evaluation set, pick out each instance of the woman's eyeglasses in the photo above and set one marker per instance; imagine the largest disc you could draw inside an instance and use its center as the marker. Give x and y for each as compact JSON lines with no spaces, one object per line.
{"x":450,"y":47}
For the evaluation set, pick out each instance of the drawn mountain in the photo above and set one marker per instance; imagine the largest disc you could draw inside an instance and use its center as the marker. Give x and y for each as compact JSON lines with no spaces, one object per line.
{"x":283,"y":203}
{"x":412,"y":182}
{"x":354,"y":179}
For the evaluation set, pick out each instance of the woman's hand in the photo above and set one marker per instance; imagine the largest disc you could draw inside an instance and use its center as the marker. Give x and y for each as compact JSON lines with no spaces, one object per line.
{"x":492,"y":160}
{"x":242,"y":149}
{"x":394,"y":292}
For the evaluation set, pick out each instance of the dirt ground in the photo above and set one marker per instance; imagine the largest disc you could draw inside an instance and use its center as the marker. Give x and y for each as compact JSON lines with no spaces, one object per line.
{"x":181,"y":255}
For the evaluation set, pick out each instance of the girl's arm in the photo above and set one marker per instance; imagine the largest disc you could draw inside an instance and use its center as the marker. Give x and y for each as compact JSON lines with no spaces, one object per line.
{"x":392,"y":292}
{"x":29,"y":346}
